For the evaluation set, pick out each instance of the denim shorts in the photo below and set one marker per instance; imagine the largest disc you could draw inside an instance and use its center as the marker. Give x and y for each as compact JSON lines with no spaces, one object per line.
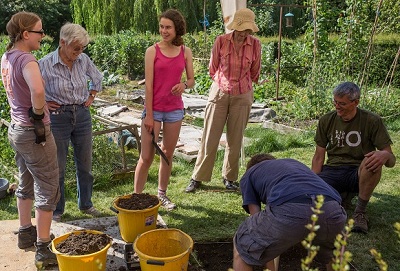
{"x":171,"y":116}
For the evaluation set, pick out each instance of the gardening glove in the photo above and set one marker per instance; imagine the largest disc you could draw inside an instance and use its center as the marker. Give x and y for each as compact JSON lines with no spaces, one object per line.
{"x":39,"y":126}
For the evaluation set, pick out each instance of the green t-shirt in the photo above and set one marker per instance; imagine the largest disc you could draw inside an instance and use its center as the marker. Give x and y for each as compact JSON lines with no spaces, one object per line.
{"x":346,"y":143}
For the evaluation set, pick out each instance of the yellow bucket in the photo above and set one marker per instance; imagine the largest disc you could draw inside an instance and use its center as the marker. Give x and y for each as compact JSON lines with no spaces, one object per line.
{"x":90,"y":262}
{"x":163,"y":249}
{"x":134,"y":222}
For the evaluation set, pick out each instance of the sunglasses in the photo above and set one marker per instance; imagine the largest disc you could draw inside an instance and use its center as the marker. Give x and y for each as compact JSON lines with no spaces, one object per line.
{"x":41,"y":31}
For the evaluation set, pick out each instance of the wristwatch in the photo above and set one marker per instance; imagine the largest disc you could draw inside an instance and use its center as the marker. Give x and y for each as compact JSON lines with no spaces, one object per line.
{"x":93,"y":95}
{"x":186,"y":86}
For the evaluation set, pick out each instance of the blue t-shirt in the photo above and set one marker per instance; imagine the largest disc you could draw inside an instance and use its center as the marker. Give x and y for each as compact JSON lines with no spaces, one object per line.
{"x":274,"y":182}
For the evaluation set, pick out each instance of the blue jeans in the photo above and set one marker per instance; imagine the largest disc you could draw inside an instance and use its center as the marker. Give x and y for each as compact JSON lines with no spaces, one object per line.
{"x":73,"y":123}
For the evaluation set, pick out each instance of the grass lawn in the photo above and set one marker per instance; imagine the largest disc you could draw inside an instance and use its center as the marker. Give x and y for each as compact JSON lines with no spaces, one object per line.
{"x":212,"y":214}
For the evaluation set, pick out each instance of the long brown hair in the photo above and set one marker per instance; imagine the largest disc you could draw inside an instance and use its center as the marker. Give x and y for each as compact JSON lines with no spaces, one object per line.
{"x":20,"y":22}
{"x":179,"y":22}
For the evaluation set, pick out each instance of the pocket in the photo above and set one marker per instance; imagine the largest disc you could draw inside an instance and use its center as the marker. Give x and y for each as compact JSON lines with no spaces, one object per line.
{"x":215,"y":93}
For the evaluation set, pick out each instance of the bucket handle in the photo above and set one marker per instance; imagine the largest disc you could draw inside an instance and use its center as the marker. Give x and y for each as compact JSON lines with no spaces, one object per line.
{"x":154,"y":262}
{"x":113,"y":209}
{"x":162,"y":263}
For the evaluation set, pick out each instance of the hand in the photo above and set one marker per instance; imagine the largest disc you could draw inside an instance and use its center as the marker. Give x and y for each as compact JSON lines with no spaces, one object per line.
{"x":52,"y":105}
{"x":38,"y":124}
{"x":148,"y":123}
{"x":178,"y":89}
{"x":375,"y":160}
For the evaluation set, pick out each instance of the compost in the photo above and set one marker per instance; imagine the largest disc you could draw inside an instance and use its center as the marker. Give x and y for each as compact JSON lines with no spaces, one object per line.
{"x":137,"y":201}
{"x":83,"y":243}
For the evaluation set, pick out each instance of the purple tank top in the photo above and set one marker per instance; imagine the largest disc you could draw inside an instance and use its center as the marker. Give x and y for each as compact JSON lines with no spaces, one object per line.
{"x":18,"y":92}
{"x":167,"y":73}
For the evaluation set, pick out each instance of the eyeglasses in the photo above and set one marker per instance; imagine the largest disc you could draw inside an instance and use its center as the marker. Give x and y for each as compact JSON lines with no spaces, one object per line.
{"x":341,"y":104}
{"x":41,"y":31}
{"x":80,"y":49}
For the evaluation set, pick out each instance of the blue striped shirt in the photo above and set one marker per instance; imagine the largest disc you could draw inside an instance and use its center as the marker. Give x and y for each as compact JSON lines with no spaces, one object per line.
{"x":65,"y":86}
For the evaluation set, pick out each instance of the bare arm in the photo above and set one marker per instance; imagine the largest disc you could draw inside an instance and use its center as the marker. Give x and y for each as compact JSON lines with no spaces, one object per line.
{"x":253,"y":208}
{"x":189,"y":67}
{"x":318,"y":159}
{"x":33,"y":78}
{"x":149,"y":76}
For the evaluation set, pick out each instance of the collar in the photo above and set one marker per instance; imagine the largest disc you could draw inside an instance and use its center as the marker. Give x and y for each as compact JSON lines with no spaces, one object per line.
{"x":57,"y":59}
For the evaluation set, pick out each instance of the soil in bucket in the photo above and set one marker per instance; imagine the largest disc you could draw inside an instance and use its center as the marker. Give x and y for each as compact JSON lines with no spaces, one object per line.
{"x":137,"y":213}
{"x":137,"y":201}
{"x":82,"y":250}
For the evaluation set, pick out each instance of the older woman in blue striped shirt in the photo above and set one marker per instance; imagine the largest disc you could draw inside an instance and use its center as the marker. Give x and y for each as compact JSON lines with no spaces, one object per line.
{"x":66,"y":73}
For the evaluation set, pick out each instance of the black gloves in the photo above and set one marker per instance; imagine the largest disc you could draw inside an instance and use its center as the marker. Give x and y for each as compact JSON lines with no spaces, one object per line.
{"x":39,"y":126}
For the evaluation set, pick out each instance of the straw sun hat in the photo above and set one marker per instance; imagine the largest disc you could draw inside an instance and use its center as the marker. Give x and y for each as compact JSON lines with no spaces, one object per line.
{"x":243,"y":20}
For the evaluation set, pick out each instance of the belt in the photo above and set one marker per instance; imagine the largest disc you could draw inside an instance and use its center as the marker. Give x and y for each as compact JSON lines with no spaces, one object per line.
{"x":308,"y":199}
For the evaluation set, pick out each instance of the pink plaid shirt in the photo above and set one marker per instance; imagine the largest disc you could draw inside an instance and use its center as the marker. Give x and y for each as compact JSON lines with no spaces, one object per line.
{"x":234,"y":73}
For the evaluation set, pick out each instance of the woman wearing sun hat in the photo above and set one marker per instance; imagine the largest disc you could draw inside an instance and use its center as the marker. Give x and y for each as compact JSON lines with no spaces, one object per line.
{"x":234,"y":65}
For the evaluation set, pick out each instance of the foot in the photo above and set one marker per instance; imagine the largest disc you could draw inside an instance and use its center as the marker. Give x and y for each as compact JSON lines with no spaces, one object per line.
{"x":92,"y":211}
{"x":229,"y":185}
{"x":27,"y":237}
{"x":44,"y":256}
{"x":360,"y":223}
{"x":166,"y":203}
{"x":193,"y":185}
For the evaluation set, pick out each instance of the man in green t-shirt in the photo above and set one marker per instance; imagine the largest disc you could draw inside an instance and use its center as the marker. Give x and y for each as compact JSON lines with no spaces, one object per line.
{"x":357,"y":145}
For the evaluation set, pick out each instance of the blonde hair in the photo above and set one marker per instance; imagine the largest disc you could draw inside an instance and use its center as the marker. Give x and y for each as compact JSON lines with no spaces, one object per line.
{"x":74,"y":32}
{"x":20,"y":22}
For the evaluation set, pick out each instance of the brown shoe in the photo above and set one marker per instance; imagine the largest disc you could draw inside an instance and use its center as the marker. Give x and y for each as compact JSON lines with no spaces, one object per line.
{"x":360,"y":223}
{"x":27,"y":237}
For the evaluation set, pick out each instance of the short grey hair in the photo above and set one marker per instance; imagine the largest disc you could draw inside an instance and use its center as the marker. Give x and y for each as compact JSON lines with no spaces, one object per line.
{"x":347,"y":88}
{"x":74,"y":32}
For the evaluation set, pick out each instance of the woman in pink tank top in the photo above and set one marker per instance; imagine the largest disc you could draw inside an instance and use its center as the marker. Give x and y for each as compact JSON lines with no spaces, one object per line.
{"x":164,"y":66}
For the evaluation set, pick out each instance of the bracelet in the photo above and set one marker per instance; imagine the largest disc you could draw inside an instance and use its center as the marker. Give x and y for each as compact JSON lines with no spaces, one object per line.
{"x":186,"y":86}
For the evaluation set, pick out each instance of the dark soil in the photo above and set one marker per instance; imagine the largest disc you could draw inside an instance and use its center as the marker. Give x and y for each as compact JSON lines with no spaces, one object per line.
{"x":218,"y":256}
{"x":83,"y":243}
{"x":137,"y":201}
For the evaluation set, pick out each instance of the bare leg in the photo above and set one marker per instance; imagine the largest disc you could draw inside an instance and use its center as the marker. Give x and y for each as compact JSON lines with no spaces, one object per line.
{"x":367,"y":180}
{"x":24,"y":211}
{"x":273,"y":265}
{"x":170,"y":138}
{"x":43,"y":224}
{"x":146,"y":158}
{"x":238,"y":263}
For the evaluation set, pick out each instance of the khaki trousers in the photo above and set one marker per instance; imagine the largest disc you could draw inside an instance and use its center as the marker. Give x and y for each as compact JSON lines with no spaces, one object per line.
{"x":221,"y":109}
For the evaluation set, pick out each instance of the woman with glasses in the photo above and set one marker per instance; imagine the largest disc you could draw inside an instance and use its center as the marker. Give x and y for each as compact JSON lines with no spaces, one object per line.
{"x":30,"y":135}
{"x":66,"y":73}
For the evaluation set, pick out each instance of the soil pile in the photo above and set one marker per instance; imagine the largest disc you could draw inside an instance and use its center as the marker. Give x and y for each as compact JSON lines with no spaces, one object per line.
{"x":83,"y":243}
{"x":136,"y":201}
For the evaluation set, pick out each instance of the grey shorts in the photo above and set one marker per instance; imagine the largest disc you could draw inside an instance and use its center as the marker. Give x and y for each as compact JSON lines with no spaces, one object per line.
{"x":37,"y":165}
{"x":267,"y":234}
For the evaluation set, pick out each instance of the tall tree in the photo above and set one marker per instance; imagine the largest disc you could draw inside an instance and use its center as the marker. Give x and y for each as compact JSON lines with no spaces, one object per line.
{"x":112,"y":16}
